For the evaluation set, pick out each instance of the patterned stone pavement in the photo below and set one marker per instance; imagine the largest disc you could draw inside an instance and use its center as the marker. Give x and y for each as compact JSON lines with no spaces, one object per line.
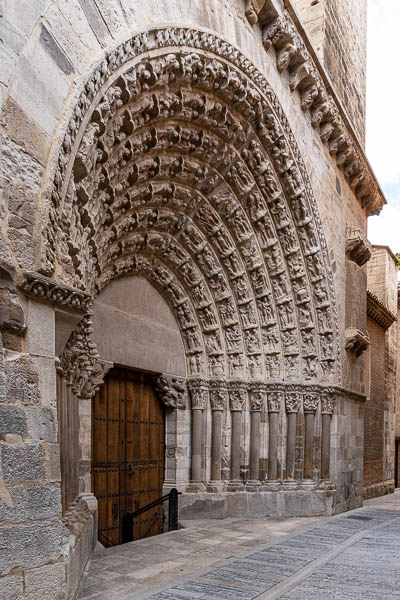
{"x":353,"y":556}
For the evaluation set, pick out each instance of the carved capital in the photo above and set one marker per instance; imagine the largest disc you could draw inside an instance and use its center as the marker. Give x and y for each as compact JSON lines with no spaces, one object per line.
{"x":218,"y":394}
{"x":198,"y":393}
{"x":170,"y":390}
{"x":237,"y":395}
{"x":328,"y":402}
{"x":293,"y":401}
{"x":275,"y":401}
{"x":257,"y":394}
{"x":310,"y":402}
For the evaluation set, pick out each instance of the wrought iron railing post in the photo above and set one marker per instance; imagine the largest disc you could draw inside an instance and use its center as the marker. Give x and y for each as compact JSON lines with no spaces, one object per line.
{"x":173,"y":510}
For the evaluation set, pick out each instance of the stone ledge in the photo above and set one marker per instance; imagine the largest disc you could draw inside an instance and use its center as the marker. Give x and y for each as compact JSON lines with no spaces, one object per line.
{"x":298,"y":503}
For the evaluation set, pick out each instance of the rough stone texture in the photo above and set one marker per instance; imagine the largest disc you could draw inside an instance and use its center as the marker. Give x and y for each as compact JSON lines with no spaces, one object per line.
{"x":13,"y":505}
{"x":30,"y":546}
{"x":22,"y":463}
{"x":46,"y":582}
{"x":43,"y":501}
{"x":22,"y":381}
{"x":12,"y":420}
{"x":17,"y":164}
{"x":11,"y":587}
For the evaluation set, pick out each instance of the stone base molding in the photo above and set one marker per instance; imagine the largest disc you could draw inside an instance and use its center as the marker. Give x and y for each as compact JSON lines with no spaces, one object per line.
{"x":244,"y":504}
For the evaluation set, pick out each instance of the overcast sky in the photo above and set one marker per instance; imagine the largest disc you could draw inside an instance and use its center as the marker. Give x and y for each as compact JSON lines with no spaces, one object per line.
{"x":383,"y":118}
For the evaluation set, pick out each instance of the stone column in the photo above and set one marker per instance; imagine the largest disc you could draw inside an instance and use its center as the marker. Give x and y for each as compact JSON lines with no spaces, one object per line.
{"x":257,"y":398}
{"x":237,"y":399}
{"x":199,"y":394}
{"x":327,"y":408}
{"x":275,"y":401}
{"x":293,"y":403}
{"x":310,"y":404}
{"x":218,"y":401}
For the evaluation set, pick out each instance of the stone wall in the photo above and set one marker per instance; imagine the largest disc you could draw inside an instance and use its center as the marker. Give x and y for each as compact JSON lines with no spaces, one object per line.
{"x":338,"y":31}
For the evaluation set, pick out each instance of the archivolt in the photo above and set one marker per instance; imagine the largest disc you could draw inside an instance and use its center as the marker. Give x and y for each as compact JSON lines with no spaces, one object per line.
{"x":179,"y":165}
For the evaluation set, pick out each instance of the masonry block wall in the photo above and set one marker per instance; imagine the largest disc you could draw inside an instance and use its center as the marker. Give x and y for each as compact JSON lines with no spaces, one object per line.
{"x":380,"y":407}
{"x":338,"y":31}
{"x":374,"y":410}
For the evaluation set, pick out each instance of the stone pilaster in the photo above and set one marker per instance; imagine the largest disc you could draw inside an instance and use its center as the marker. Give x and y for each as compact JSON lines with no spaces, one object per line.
{"x":257,"y":396}
{"x":237,"y":401}
{"x":275,"y":401}
{"x":199,"y":396}
{"x":218,"y":402}
{"x":310,"y":404}
{"x":293,"y":402}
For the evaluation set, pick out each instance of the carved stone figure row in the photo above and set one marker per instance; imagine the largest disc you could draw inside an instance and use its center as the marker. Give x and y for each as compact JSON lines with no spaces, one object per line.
{"x":223,"y":394}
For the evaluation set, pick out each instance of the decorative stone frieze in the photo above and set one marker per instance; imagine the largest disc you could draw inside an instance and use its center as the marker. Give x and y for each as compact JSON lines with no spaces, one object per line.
{"x":170,"y":390}
{"x":55,"y":292}
{"x":358,"y":248}
{"x":378,"y":312}
{"x":356,"y":342}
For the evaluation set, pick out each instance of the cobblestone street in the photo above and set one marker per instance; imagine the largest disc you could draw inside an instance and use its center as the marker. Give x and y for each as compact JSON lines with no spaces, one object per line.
{"x":355,"y":555}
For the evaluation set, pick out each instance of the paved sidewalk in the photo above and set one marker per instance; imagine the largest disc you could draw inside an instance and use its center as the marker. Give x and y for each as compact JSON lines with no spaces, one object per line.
{"x":353,"y":556}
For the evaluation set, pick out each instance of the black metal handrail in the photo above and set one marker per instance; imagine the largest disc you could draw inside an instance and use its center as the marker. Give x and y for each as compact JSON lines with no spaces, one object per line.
{"x":128,"y":518}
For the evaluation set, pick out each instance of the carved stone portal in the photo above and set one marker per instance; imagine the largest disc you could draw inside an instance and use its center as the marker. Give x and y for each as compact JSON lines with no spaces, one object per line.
{"x":187,"y":173}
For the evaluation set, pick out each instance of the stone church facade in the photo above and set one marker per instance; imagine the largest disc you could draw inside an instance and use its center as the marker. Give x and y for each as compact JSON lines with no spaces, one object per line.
{"x":183,"y":226}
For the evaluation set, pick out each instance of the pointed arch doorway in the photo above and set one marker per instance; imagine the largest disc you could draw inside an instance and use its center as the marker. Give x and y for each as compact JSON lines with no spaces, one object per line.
{"x":128,"y":433}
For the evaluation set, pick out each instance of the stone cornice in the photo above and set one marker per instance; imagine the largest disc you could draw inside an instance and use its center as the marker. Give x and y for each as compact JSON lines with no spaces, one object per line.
{"x":283,"y":31}
{"x":49,"y":290}
{"x":378,"y":312}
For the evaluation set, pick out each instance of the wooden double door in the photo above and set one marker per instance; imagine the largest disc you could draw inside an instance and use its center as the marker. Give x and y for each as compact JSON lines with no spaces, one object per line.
{"x":128,"y":429}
